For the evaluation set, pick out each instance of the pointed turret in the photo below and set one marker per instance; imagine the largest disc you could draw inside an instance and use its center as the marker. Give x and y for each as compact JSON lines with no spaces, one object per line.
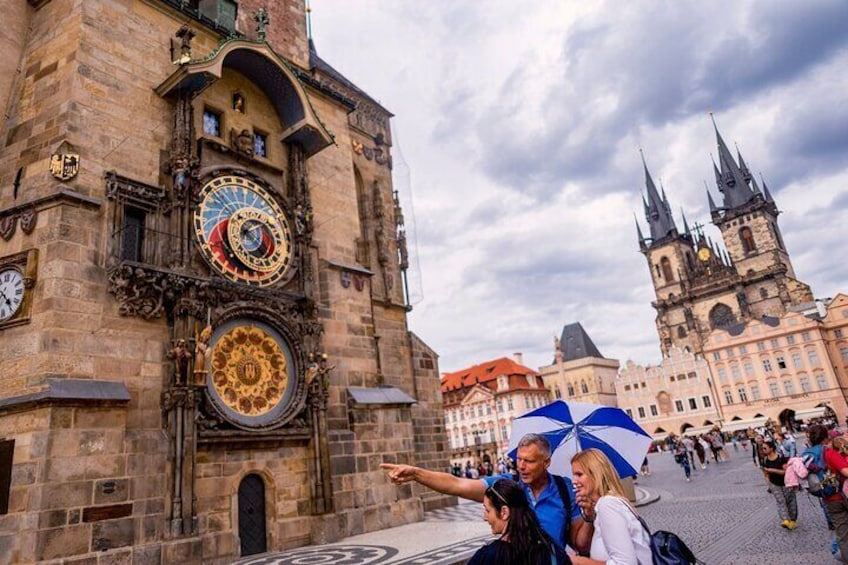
{"x":642,"y":244}
{"x":685,"y":224}
{"x":657,"y":209}
{"x":713,"y":207}
{"x":731,"y":181}
{"x":766,"y":192}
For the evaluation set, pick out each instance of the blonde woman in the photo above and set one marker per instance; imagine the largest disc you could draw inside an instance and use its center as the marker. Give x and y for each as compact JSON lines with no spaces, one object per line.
{"x":619,"y":537}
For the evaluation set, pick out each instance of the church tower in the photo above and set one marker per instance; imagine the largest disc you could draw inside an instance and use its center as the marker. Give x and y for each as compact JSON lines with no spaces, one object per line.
{"x":747,"y":218}
{"x":701,"y":286}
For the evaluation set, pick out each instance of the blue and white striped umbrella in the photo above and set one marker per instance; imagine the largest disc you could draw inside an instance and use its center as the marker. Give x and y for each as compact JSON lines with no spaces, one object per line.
{"x":575,"y":426}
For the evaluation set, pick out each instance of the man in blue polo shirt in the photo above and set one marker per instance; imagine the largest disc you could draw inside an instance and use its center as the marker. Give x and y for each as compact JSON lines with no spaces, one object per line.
{"x":533,"y":460}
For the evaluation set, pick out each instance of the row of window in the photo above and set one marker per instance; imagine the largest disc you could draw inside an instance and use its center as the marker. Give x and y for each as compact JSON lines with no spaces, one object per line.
{"x":679,"y":406}
{"x":530,"y":402}
{"x":774,"y":389}
{"x":584,"y":389}
{"x":780,"y":362}
{"x":791,"y":339}
{"x":473,"y":438}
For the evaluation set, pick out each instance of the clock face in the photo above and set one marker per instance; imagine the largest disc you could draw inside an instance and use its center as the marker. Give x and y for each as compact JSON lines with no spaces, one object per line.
{"x":242,"y":231}
{"x":251,"y":372}
{"x":11,"y":292}
{"x":704,"y":254}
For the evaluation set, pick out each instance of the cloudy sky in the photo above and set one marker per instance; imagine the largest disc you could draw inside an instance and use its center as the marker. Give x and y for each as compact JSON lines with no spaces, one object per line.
{"x":517,"y":131}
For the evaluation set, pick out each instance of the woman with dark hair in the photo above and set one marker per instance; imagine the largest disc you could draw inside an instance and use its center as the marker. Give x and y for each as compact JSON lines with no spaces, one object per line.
{"x":774,"y":469}
{"x":522,"y":540}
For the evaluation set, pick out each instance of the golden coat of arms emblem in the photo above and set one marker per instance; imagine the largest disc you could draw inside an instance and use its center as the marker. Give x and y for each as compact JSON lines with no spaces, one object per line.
{"x":64,"y":166}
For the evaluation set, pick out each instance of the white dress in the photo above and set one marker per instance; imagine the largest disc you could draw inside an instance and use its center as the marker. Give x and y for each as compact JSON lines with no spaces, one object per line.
{"x":619,"y":537}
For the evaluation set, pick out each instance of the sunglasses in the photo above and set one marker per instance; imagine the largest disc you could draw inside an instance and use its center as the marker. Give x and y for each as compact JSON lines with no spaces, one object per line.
{"x":492,"y":489}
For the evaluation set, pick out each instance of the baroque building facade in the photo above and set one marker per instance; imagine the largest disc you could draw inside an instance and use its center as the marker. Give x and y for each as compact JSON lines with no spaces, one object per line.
{"x":675,"y":396}
{"x":701,"y":286}
{"x":783,"y":368}
{"x":480,"y":403}
{"x":579,"y":372}
{"x":202,"y":266}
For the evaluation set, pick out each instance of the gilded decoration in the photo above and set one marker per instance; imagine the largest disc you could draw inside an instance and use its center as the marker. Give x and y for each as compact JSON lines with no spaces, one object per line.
{"x":249,"y":370}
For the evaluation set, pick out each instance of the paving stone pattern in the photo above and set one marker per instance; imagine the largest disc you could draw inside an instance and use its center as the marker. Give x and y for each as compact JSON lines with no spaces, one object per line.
{"x":725,"y":514}
{"x":727,"y":517}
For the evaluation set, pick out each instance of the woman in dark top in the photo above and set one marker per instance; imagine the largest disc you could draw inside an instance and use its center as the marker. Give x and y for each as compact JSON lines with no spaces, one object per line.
{"x":773,"y":469}
{"x":522,"y":540}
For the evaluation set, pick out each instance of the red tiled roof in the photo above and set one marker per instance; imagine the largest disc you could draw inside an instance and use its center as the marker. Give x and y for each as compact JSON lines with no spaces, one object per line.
{"x":483,"y":373}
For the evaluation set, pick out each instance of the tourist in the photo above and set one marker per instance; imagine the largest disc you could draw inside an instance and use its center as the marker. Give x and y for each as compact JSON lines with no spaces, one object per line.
{"x":837,"y":463}
{"x":716,"y":445}
{"x":787,"y":446}
{"x":701,"y":452}
{"x":646,"y":469}
{"x":690,"y":449}
{"x":522,"y":540}
{"x":619,"y":536}
{"x":682,"y":459}
{"x":565,"y":516}
{"x":774,"y":469}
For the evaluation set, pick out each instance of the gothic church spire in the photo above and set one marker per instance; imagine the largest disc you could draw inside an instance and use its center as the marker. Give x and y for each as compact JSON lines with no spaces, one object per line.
{"x":732,"y":181}
{"x":657,"y":208}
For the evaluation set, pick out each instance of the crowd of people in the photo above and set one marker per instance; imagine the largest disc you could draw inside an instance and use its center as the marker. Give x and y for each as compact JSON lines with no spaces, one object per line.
{"x":541,"y":518}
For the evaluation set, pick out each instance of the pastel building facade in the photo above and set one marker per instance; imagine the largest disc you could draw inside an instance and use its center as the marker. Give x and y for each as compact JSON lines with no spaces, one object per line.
{"x":675,"y":396}
{"x":786,"y":367}
{"x":480,"y":403}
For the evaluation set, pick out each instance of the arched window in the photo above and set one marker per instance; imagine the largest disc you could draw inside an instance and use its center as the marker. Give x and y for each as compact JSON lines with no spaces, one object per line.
{"x":584,"y":387}
{"x":746,"y":236}
{"x":665,"y":264}
{"x":570,"y":389}
{"x":721,"y":316}
{"x":681,"y":332}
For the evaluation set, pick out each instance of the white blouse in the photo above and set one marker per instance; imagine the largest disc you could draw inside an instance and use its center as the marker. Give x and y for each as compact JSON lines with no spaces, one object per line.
{"x":619,"y":537}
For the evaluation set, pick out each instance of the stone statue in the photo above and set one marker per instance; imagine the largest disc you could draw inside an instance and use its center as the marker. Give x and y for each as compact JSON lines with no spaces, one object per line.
{"x":182,"y":358}
{"x":201,"y":352}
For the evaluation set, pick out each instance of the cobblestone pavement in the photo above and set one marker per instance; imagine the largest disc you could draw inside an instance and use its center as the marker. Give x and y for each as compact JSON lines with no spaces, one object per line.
{"x":725,"y":514}
{"x":727,"y":517}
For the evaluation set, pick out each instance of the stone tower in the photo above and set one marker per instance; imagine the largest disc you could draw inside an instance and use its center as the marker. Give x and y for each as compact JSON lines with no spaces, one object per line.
{"x":202,"y":266}
{"x":700,"y":285}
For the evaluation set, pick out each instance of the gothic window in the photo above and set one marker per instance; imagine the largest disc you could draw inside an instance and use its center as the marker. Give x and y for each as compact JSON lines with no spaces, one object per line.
{"x":362,"y":253}
{"x":666,"y":269}
{"x":721,"y":316}
{"x":583,"y":387}
{"x":132,"y":234}
{"x":681,"y":332}
{"x":763,"y":292}
{"x":746,"y":236}
{"x":570,"y":389}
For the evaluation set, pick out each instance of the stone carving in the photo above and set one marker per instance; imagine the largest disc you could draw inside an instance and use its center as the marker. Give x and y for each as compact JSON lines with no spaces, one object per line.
{"x":28,"y":219}
{"x":262,"y":20}
{"x":141,"y":292}
{"x":8,"y":224}
{"x":242,"y":142}
{"x":201,"y":353}
{"x":181,"y":356}
{"x":121,"y":188}
{"x":185,"y":35}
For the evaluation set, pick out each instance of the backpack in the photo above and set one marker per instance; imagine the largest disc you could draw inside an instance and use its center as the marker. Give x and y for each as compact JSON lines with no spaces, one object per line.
{"x":821,"y":482}
{"x":565,"y":496}
{"x":666,"y":547}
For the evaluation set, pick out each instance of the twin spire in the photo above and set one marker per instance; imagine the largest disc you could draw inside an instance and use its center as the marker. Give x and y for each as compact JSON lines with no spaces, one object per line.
{"x":733,"y":179}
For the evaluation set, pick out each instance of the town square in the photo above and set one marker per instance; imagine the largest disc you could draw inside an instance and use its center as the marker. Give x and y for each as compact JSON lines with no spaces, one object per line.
{"x":472,"y":282}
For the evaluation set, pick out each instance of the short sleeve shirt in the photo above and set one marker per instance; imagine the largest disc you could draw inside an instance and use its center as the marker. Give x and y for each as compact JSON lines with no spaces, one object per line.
{"x":778,"y":463}
{"x":548,"y":507}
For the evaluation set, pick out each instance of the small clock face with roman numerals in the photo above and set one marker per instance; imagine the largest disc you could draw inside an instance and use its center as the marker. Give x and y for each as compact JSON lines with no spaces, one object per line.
{"x":242,"y":231}
{"x":11,"y":292}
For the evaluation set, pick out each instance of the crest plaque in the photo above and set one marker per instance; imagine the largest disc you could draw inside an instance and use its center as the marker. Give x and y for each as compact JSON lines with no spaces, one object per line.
{"x":64,"y":166}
